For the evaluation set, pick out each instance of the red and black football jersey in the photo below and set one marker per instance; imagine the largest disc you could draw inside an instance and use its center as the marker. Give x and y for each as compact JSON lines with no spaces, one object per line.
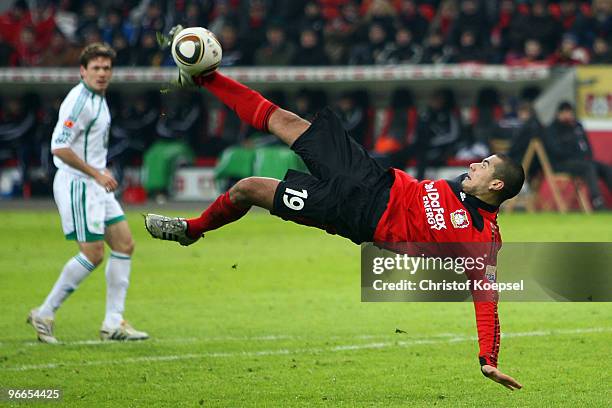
{"x":440,"y":212}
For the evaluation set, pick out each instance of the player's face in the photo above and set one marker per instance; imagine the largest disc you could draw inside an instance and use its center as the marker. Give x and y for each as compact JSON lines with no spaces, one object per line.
{"x":480,"y":179}
{"x":97,"y":74}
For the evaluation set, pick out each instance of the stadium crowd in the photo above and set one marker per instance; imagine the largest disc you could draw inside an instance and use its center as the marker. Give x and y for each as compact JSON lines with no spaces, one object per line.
{"x":404,"y":132}
{"x":315,"y":32}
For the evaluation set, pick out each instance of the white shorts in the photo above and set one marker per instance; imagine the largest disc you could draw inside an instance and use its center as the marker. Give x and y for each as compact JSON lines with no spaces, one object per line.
{"x":85,"y":207}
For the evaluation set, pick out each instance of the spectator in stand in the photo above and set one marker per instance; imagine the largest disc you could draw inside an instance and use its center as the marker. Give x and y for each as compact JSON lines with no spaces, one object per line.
{"x":253,"y":30}
{"x":133,"y":131}
{"x":410,"y":18}
{"x":183,"y":119}
{"x":18,"y":132}
{"x":569,"y":151}
{"x":43,"y":21}
{"x":111,"y":25}
{"x":13,"y":21}
{"x":438,"y":135}
{"x":309,"y":102}
{"x":312,"y":17}
{"x":444,"y":19}
{"x":151,"y":21}
{"x":601,"y":21}
{"x":91,"y":35}
{"x":123,"y":50}
{"x":88,"y":21}
{"x":60,"y":52}
{"x":543,"y":27}
{"x":573,"y":21}
{"x":500,"y":33}
{"x":310,"y":51}
{"x":398,"y":125}
{"x":196,"y":14}
{"x":601,"y":52}
{"x":373,"y":51}
{"x":382,"y":13}
{"x":569,"y":14}
{"x":528,"y":129}
{"x":330,"y":9}
{"x":353,"y":117}
{"x":569,"y":53}
{"x":532,"y":56}
{"x":471,"y":19}
{"x":46,"y":123}
{"x":221,"y":16}
{"x":292,"y":12}
{"x":233,"y":52}
{"x":67,"y":20}
{"x":8,"y":56}
{"x":404,"y":50}
{"x":277,"y":51}
{"x":27,"y":49}
{"x":341,"y":32}
{"x":148,"y":54}
{"x":514,"y":24}
{"x":436,"y":51}
{"x":469,"y":50}
{"x":115,"y":26}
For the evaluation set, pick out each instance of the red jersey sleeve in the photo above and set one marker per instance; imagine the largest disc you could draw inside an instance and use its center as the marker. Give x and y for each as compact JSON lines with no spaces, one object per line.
{"x":487,"y":323}
{"x":485,"y":307}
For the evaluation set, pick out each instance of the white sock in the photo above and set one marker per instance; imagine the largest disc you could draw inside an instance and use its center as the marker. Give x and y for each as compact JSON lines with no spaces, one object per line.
{"x":75,"y":270}
{"x":117,"y":282}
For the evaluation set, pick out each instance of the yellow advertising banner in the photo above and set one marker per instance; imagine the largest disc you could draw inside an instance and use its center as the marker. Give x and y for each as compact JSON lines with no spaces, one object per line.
{"x":594,"y":92}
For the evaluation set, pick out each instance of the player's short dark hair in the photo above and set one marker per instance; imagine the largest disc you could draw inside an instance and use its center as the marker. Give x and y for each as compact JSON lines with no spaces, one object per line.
{"x":96,"y":50}
{"x":512,"y":174}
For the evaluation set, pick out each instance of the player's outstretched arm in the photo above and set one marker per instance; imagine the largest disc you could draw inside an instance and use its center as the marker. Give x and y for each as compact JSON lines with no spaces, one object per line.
{"x":499,"y":377}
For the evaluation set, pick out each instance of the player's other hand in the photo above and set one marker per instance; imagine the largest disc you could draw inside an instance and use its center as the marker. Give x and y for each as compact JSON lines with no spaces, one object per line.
{"x":106,"y":180}
{"x":164,"y":41}
{"x":499,"y":377}
{"x":185,"y":80}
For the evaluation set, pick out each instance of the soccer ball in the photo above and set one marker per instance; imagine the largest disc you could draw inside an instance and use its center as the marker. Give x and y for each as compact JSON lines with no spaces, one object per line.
{"x":196,"y":51}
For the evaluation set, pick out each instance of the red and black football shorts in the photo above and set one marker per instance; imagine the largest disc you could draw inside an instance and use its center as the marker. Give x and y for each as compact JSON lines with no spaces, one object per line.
{"x":347,"y":191}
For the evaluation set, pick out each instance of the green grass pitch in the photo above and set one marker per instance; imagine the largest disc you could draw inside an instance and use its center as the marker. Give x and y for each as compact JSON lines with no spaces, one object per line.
{"x":268,"y":313}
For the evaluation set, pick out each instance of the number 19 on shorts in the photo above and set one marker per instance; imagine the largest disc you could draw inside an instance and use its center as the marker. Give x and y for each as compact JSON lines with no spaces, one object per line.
{"x":294,"y":199}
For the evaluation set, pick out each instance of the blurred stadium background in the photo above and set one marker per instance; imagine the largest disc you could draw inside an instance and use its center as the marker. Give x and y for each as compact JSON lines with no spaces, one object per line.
{"x":240,"y":320}
{"x":397,"y":72}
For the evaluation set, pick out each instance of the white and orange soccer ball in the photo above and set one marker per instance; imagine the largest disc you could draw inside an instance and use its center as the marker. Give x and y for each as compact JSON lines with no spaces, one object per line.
{"x":196,"y":51}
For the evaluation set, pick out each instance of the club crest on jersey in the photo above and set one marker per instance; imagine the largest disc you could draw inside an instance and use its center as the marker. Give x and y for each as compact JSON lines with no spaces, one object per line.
{"x":68,"y":123}
{"x":491,"y":272}
{"x":460,"y":219}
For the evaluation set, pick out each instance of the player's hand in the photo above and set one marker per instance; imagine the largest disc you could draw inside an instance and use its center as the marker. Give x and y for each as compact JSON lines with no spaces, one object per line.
{"x":106,"y":180}
{"x":164,"y":41}
{"x":499,"y":377}
{"x":184,"y":80}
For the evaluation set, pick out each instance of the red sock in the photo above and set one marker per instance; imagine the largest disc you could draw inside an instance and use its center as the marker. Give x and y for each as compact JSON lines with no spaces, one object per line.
{"x":221,"y":212}
{"x":250,"y":106}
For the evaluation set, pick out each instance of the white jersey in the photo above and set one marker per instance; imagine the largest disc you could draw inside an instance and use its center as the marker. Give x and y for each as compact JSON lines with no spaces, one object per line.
{"x":84,"y":126}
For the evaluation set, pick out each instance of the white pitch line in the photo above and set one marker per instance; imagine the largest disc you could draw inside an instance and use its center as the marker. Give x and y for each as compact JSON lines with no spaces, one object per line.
{"x":312,"y":350}
{"x":173,"y":340}
{"x":270,"y":338}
